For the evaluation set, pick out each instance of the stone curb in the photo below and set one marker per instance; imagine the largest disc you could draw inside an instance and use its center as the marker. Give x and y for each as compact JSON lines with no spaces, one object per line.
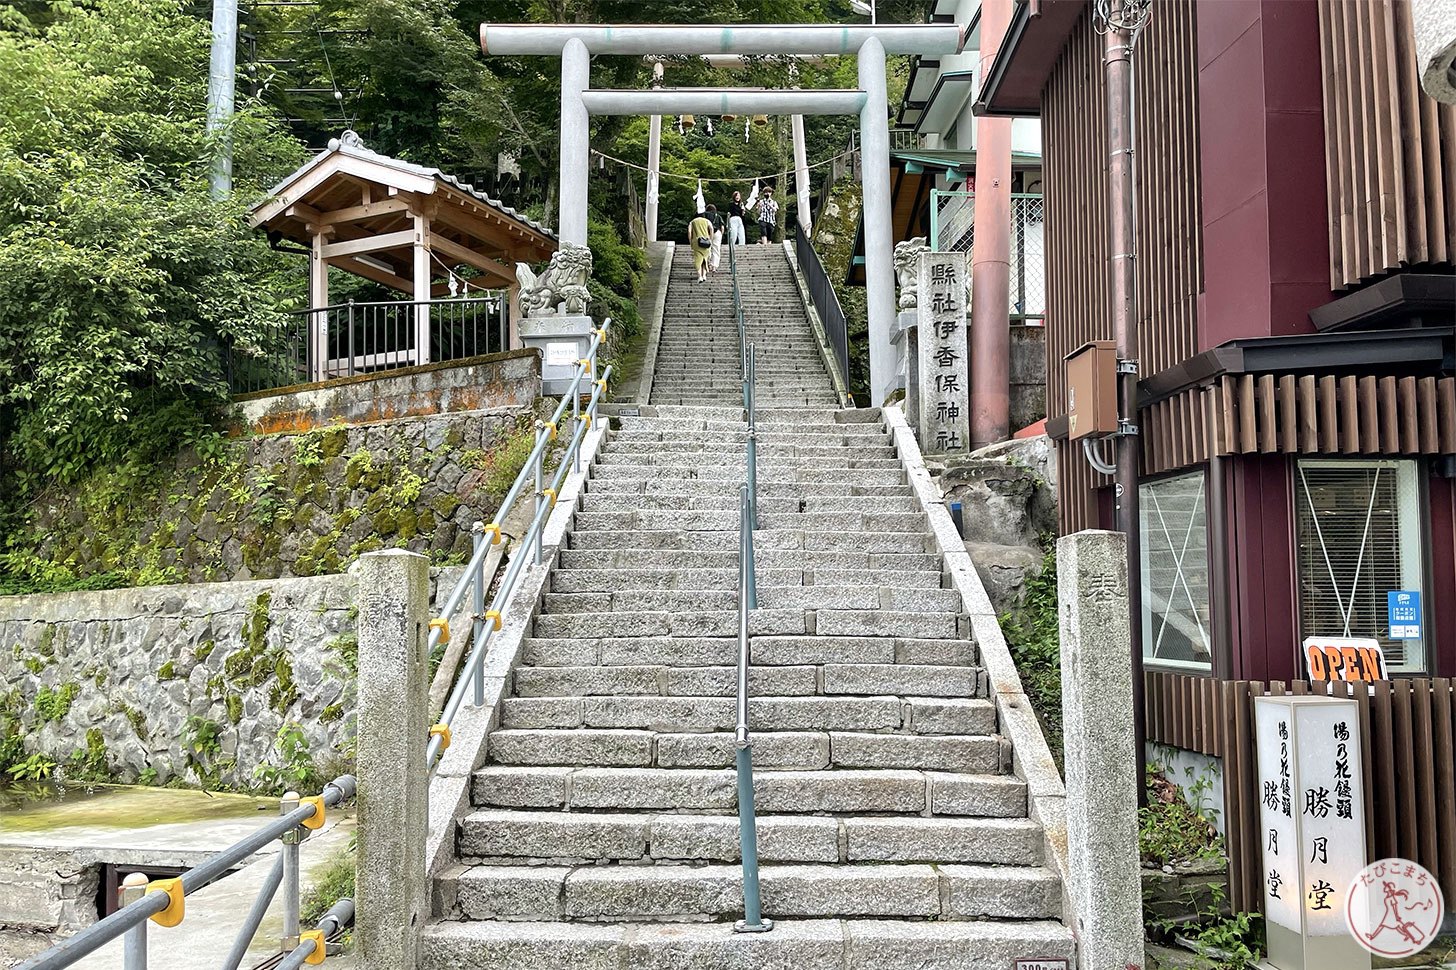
{"x":831,"y":365}
{"x":1031,"y":757}
{"x":654,"y":326}
{"x":450,"y":786}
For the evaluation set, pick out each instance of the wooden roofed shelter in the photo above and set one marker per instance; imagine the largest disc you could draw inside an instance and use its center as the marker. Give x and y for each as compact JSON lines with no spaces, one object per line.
{"x":408,"y":227}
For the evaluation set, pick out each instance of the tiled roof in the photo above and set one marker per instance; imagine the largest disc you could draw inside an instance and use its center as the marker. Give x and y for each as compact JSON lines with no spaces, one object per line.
{"x":351,"y":146}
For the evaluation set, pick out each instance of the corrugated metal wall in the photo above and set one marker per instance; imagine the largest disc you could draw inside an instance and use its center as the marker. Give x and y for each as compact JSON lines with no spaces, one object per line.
{"x":1170,"y":260}
{"x":1390,"y":149}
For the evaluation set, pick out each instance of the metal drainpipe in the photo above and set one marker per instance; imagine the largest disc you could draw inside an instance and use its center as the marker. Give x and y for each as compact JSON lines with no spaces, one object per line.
{"x":990,"y":336}
{"x":1117,"y":67}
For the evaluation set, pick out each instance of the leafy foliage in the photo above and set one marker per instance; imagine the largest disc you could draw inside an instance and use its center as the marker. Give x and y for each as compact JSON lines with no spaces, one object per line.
{"x":1033,"y":636}
{"x":293,"y":769}
{"x":118,"y":275}
{"x":335,"y":882}
{"x":1170,"y":829}
{"x":37,"y":767}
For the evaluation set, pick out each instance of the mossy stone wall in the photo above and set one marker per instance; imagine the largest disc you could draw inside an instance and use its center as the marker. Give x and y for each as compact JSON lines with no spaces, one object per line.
{"x":190,"y":683}
{"x":282,"y":505}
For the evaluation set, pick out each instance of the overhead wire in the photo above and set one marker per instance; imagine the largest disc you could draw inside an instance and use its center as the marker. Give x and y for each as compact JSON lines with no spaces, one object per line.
{"x":744,"y":178}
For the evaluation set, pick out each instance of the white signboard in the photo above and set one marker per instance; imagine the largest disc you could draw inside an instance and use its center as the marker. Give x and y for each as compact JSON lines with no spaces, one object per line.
{"x":1312,"y":835}
{"x":1351,"y":660}
{"x":561,"y":353}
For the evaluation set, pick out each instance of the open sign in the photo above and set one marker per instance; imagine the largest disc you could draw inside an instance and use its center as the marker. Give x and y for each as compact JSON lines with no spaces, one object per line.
{"x":1355,"y":660}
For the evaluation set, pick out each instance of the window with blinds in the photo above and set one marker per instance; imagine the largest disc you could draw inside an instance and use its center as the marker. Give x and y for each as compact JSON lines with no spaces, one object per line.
{"x":1174,"y":536}
{"x":1359,"y":532}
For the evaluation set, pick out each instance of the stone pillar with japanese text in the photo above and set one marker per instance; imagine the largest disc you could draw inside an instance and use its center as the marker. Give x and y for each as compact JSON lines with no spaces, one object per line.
{"x":944,"y":364}
{"x":1100,"y":744}
{"x":1312,"y":828}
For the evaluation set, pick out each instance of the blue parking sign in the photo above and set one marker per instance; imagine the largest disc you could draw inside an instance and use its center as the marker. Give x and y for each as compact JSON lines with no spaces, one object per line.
{"x":1403,"y":607}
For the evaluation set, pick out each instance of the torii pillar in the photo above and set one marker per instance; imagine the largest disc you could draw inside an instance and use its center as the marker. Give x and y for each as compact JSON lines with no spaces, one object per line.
{"x":571,"y":203}
{"x":870,"y":102}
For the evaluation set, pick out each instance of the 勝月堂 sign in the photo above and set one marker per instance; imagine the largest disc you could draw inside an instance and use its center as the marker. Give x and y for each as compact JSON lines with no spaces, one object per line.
{"x":1312,"y":828}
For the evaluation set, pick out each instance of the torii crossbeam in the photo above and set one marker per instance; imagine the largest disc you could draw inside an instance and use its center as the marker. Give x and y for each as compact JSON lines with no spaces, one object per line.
{"x":575,"y":43}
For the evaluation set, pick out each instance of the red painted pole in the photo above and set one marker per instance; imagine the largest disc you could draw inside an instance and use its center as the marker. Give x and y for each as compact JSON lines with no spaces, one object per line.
{"x":991,"y":256}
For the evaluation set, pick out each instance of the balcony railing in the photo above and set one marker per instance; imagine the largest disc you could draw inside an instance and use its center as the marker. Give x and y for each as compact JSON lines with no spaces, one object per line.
{"x":952,"y":228}
{"x":906,"y":140}
{"x":348,"y":339}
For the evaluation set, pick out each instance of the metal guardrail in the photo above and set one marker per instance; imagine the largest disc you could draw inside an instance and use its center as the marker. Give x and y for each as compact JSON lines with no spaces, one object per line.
{"x":753,"y":921}
{"x":487,"y":622}
{"x":825,"y":300}
{"x":352,"y":338}
{"x":163,"y":901}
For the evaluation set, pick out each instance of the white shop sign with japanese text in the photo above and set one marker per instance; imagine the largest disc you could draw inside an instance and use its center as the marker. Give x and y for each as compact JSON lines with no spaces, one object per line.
{"x":1312,"y":833}
{"x":944,"y":365}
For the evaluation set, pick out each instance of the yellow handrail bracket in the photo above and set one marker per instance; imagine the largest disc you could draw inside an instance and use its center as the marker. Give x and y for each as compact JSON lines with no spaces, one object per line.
{"x":176,"y":901}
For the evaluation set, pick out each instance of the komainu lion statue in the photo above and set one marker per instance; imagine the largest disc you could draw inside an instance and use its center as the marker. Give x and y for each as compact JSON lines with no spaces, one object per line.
{"x":561,"y":284}
{"x":907,"y":270}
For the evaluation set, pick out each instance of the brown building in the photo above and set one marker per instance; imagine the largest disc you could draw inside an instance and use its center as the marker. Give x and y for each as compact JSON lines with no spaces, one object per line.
{"x":1296,"y":227}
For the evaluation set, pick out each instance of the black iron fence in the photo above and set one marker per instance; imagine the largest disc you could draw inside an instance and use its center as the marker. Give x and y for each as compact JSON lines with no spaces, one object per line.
{"x":347,"y":339}
{"x":825,"y":300}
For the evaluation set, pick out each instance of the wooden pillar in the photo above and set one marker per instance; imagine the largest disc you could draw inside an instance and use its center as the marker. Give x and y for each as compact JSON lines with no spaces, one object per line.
{"x":513,"y":314}
{"x":318,"y":298}
{"x":422,"y":289}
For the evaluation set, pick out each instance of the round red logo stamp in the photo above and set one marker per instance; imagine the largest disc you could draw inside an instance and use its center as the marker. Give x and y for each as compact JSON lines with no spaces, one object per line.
{"x":1394,"y":908}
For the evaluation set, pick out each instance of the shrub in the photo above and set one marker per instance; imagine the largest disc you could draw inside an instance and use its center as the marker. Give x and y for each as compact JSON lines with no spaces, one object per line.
{"x":1033,"y":636}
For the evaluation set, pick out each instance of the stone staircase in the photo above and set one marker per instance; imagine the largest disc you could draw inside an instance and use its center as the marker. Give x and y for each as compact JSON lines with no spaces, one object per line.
{"x":603,"y":830}
{"x":698,"y":351}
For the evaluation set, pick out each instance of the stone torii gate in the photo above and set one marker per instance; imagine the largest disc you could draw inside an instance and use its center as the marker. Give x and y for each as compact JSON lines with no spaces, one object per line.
{"x":575,"y":44}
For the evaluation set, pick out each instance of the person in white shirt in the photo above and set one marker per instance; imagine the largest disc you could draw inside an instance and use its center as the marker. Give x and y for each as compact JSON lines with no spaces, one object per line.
{"x":735,"y":220}
{"x":767,"y":211}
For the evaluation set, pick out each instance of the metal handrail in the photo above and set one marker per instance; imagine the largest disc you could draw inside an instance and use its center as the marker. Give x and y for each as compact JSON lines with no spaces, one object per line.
{"x":163,"y":898}
{"x":738,"y":317}
{"x":753,"y":921}
{"x":486,"y":622}
{"x":497,"y":298}
{"x":339,"y":917}
{"x":826,"y":305}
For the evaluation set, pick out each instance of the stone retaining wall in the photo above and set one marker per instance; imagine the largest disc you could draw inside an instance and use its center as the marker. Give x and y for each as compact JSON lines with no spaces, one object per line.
{"x":509,"y":379}
{"x":192,"y":682}
{"x":284,"y":505}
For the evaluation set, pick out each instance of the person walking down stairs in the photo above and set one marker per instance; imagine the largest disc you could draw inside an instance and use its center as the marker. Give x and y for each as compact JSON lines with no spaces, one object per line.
{"x":700,"y":238}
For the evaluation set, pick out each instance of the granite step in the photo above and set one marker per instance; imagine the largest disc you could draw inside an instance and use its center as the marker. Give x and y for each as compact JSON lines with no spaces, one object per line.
{"x":503,"y":834}
{"x":940,"y":716}
{"x":676,"y":892}
{"x":794,"y":944}
{"x":701,"y":651}
{"x":835,"y":791}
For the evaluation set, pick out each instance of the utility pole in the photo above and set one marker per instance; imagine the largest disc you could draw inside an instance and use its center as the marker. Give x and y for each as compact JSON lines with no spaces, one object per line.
{"x":221,"y":79}
{"x":1120,"y":21}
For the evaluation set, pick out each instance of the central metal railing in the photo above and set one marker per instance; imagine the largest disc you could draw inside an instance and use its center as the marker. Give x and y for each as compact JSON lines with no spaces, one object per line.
{"x":474,"y":581}
{"x":163,"y":901}
{"x":753,"y":921}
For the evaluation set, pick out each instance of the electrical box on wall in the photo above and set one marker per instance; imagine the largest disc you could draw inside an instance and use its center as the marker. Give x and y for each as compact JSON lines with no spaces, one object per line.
{"x":1092,"y":390}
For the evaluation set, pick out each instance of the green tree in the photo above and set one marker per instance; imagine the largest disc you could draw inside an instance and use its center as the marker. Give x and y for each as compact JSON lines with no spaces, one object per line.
{"x":119,"y":277}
